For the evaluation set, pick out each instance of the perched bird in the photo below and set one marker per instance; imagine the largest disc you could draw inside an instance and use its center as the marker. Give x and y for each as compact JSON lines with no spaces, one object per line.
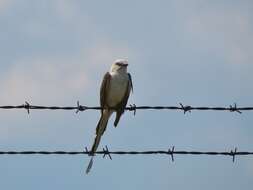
{"x":114,"y":94}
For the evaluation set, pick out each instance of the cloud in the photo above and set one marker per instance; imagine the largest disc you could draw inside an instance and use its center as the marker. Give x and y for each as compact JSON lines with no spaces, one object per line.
{"x":4,"y":4}
{"x":65,"y":9}
{"x":54,"y":80}
{"x":42,"y":80}
{"x":49,"y":70}
{"x":106,"y":52}
{"x":224,"y":30}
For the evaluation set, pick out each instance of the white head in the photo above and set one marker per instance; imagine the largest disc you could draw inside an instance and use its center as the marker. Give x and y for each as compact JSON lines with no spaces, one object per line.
{"x":120,"y":65}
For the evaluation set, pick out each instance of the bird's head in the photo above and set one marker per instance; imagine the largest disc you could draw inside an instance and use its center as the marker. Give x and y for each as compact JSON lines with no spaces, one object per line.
{"x":120,"y":65}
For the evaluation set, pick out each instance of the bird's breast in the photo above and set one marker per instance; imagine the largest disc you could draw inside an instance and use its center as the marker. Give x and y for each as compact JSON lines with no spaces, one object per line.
{"x":117,"y":90}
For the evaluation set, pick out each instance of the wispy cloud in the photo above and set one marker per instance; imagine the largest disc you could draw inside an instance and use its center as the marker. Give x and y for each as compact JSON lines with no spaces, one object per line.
{"x":226,"y":30}
{"x":61,"y":62}
{"x":4,"y":4}
{"x":66,"y":9}
{"x":42,"y":80}
{"x":106,"y":52}
{"x":56,"y":79}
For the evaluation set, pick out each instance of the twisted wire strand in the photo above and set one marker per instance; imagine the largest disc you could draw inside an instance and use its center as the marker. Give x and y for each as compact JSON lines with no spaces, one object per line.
{"x":133,"y":107}
{"x":124,"y":153}
{"x":105,"y":152}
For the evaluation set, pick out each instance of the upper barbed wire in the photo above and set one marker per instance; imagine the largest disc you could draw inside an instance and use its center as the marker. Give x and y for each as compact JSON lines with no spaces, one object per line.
{"x":132,"y":107}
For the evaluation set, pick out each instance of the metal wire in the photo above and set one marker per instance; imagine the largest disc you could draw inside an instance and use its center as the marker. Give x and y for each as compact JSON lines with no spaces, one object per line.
{"x":105,"y":152}
{"x":133,"y":107}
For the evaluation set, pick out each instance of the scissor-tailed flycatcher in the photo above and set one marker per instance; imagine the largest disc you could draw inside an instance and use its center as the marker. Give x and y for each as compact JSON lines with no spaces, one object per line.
{"x":114,"y":94}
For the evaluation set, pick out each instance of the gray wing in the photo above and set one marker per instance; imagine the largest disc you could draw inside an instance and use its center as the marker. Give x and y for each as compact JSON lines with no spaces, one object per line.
{"x":104,"y":89}
{"x":131,"y":82}
{"x":121,"y":106}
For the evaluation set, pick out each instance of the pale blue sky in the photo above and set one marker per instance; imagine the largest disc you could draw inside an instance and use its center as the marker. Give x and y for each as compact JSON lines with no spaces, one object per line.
{"x":55,"y":52}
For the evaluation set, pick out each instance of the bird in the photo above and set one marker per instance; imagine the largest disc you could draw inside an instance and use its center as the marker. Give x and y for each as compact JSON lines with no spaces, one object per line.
{"x":114,"y":93}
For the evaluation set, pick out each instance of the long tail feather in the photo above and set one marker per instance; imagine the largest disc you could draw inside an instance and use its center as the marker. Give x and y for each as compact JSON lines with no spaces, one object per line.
{"x":101,"y":126}
{"x":89,"y":165}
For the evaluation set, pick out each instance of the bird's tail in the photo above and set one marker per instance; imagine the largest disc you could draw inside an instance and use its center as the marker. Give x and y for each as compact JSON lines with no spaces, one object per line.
{"x":89,"y":165}
{"x":101,"y":126}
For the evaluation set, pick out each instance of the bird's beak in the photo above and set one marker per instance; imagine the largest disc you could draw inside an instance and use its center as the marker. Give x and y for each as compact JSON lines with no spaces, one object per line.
{"x":125,"y":64}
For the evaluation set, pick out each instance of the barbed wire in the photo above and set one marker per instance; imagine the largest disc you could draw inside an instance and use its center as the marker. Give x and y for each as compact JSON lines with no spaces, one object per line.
{"x":185,"y":108}
{"x":105,"y":152}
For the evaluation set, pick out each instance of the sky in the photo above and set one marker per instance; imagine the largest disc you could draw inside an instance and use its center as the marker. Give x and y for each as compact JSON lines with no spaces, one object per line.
{"x":55,"y":52}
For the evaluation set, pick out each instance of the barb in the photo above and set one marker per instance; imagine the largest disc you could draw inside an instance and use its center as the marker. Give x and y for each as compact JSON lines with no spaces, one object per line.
{"x":233,"y":153}
{"x":132,"y":107}
{"x":234,"y":109}
{"x":80,"y":107}
{"x":106,"y":152}
{"x":185,"y":108}
{"x":87,"y":151}
{"x":27,"y":107}
{"x":171,"y":152}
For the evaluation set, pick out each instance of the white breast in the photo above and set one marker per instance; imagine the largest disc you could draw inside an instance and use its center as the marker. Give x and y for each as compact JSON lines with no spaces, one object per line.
{"x":118,"y":87}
